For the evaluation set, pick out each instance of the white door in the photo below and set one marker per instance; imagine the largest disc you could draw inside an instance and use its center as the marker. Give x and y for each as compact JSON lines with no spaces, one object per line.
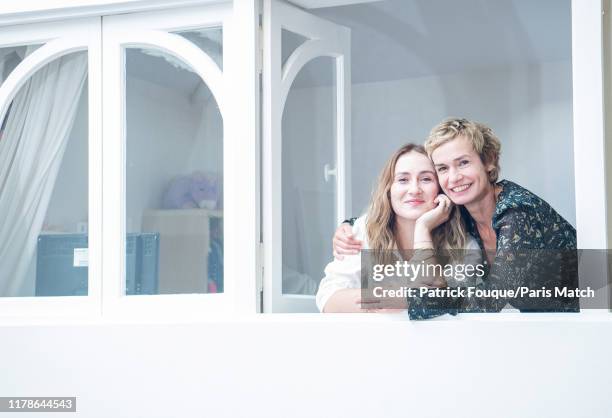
{"x":306,"y":151}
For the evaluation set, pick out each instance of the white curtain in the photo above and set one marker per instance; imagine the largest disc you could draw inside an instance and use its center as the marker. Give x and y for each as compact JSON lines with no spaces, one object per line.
{"x":31,"y":151}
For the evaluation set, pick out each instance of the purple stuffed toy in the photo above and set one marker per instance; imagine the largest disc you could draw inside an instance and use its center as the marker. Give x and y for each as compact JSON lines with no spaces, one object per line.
{"x":198,"y":190}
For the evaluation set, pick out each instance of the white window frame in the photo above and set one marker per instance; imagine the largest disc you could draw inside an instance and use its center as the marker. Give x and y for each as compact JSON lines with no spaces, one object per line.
{"x":59,"y":39}
{"x":592,"y":192}
{"x":150,"y":29}
{"x":324,"y":39}
{"x":236,"y":92}
{"x":588,"y":118}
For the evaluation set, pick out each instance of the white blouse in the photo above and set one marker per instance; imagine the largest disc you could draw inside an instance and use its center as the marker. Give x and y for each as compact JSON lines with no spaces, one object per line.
{"x":346,"y":273}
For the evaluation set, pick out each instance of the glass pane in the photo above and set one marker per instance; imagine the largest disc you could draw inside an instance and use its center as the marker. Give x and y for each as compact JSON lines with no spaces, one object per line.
{"x":174,"y":189}
{"x":44,"y":183}
{"x":209,"y":40}
{"x":309,"y":196}
{"x":11,"y":56}
{"x":290,"y":41}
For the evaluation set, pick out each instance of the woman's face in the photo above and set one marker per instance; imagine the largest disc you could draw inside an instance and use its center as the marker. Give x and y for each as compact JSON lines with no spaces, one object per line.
{"x":461,"y":173}
{"x":414,"y":186}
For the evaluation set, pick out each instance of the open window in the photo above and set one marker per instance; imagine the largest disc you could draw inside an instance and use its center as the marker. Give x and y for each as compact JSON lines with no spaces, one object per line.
{"x":413,"y":64}
{"x":306,"y":150}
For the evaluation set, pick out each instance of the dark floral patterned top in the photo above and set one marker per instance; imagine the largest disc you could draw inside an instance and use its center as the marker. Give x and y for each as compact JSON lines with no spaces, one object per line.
{"x":536,"y":249}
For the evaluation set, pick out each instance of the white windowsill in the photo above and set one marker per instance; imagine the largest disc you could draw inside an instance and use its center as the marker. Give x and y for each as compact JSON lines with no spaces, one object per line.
{"x":592,"y":316}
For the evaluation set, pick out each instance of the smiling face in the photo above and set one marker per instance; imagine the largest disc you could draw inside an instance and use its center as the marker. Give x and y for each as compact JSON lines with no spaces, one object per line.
{"x":461,"y":173}
{"x":414,"y":186}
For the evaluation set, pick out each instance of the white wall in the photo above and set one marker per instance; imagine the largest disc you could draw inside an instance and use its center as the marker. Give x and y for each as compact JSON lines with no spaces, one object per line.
{"x":283,"y":367}
{"x":206,"y":152}
{"x":161,"y":127}
{"x":530,"y":109}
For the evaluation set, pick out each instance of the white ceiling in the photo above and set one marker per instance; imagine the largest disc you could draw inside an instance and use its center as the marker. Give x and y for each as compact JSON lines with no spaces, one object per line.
{"x":395,"y":39}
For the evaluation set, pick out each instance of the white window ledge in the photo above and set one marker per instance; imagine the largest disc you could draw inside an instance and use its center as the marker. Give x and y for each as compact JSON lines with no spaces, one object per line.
{"x":592,"y":316}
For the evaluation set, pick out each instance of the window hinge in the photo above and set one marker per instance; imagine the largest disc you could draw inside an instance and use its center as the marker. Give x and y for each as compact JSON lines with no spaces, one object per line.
{"x":260,"y":275}
{"x":260,"y":51}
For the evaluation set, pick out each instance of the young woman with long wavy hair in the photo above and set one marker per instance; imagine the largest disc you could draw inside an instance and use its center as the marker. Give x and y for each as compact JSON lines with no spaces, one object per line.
{"x":407,"y":213}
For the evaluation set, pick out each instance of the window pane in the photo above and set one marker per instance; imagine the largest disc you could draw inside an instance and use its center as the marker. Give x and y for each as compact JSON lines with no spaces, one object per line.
{"x":309,"y":196}
{"x":174,"y":190}
{"x":209,"y":40}
{"x":290,"y":41}
{"x":44,"y":183}
{"x":11,"y":56}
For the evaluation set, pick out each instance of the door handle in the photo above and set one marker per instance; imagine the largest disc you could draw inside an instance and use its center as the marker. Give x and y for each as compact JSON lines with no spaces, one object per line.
{"x":328,"y":172}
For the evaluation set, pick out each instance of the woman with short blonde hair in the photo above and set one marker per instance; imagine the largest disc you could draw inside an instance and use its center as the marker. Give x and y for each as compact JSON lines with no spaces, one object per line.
{"x":526,"y":242}
{"x":482,"y":138}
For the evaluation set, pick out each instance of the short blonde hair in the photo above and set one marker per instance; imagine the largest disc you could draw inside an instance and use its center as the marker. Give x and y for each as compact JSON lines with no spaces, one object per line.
{"x":482,"y":138}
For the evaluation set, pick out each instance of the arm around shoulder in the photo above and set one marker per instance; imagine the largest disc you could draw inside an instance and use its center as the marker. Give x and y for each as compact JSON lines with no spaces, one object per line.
{"x":339,"y":290}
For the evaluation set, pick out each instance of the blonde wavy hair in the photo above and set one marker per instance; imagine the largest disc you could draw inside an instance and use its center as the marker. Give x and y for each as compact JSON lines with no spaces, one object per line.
{"x":381,"y":219}
{"x":482,"y":138}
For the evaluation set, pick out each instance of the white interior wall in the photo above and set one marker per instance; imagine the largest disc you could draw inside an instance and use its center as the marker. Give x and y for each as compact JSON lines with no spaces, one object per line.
{"x":206,"y":152}
{"x":286,"y":366}
{"x":161,"y":130}
{"x":529,"y":107}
